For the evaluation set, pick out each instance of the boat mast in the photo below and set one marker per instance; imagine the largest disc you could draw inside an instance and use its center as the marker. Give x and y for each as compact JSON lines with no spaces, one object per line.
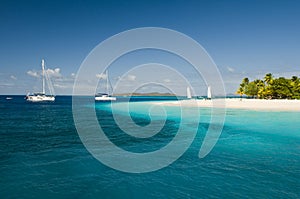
{"x":106,"y":82}
{"x":43,"y":73}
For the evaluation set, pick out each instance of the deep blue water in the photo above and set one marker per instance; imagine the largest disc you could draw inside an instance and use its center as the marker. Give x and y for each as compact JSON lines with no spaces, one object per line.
{"x":42,"y":156}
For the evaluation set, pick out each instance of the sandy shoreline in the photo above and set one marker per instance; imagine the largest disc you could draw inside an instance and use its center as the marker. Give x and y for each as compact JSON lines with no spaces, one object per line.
{"x":251,"y":104}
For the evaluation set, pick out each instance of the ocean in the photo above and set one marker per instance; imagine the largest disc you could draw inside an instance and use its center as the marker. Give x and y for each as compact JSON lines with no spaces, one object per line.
{"x":42,"y":156}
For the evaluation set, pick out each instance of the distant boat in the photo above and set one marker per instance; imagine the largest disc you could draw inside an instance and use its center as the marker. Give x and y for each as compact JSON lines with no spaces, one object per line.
{"x":9,"y":98}
{"x":188,"y":93}
{"x":105,"y":96}
{"x":41,"y":96}
{"x":208,"y":92}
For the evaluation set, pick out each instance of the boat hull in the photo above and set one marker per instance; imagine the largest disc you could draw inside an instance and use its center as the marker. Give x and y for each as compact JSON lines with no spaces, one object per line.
{"x":102,"y":98}
{"x":40,"y":98}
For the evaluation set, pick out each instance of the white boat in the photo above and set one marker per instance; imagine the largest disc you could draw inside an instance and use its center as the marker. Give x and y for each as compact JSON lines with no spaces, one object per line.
{"x":105,"y":96}
{"x":41,"y":96}
{"x":208,"y":92}
{"x":188,"y":93}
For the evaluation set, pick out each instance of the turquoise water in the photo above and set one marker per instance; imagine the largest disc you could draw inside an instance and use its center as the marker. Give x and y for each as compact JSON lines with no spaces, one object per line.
{"x":41,"y":155}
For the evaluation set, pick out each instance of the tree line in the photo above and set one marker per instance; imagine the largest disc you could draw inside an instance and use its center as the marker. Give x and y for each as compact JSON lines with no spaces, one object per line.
{"x":271,"y":88}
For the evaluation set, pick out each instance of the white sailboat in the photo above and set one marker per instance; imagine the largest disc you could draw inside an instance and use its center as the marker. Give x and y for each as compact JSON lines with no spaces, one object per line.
{"x":105,"y":96}
{"x":188,"y":93}
{"x":208,"y":92}
{"x":41,"y":96}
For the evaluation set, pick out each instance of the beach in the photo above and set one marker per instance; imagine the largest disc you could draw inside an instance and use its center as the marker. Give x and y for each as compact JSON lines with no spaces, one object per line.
{"x":237,"y":103}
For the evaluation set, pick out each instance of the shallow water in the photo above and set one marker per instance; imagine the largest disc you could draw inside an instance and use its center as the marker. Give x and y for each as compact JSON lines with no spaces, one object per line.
{"x":41,"y":155}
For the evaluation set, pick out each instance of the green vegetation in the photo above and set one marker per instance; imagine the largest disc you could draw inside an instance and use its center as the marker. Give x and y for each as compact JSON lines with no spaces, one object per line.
{"x":271,"y":88}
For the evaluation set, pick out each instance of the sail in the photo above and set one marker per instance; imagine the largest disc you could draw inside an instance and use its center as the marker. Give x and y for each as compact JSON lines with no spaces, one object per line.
{"x":188,"y":93}
{"x":43,"y":74}
{"x":105,"y":96}
{"x":208,"y":92}
{"x":41,"y":96}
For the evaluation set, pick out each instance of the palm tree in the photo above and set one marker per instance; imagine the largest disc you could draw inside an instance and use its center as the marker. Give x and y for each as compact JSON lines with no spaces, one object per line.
{"x":294,"y":78}
{"x":240,"y":91}
{"x":245,"y":81}
{"x":269,"y":88}
{"x":260,"y":85}
{"x":245,"y":84}
{"x":243,"y":87}
{"x":295,"y":86}
{"x":269,"y":78}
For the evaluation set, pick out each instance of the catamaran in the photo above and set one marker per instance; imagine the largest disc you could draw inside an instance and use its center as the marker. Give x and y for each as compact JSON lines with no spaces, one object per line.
{"x":41,"y":96}
{"x":105,"y":96}
{"x":208,"y":92}
{"x":188,"y":93}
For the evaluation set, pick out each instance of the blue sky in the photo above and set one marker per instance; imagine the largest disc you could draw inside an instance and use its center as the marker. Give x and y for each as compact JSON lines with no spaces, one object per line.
{"x":244,"y":38}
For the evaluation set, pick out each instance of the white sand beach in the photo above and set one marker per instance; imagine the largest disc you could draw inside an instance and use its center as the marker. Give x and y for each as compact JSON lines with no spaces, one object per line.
{"x":252,"y":104}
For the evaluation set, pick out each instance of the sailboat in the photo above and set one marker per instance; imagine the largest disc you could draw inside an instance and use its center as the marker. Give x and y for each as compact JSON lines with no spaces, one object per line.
{"x":105,"y":96}
{"x":41,"y":96}
{"x":208,"y":92}
{"x":188,"y":93}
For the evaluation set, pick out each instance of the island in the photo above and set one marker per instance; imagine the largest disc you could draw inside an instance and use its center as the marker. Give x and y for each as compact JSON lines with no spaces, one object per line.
{"x":270,"y":88}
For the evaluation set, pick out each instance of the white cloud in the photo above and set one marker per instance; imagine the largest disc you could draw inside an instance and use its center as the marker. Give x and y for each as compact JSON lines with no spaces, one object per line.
{"x":55,"y":73}
{"x":60,"y":86}
{"x":101,"y":76}
{"x":131,"y":77}
{"x":13,"y":77}
{"x":33,"y":73}
{"x":52,"y":73}
{"x":167,"y":80}
{"x":230,"y":69}
{"x":6,"y":84}
{"x":126,"y":78}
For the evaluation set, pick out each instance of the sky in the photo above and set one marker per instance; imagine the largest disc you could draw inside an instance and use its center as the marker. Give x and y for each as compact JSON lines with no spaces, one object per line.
{"x":244,"y":39}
